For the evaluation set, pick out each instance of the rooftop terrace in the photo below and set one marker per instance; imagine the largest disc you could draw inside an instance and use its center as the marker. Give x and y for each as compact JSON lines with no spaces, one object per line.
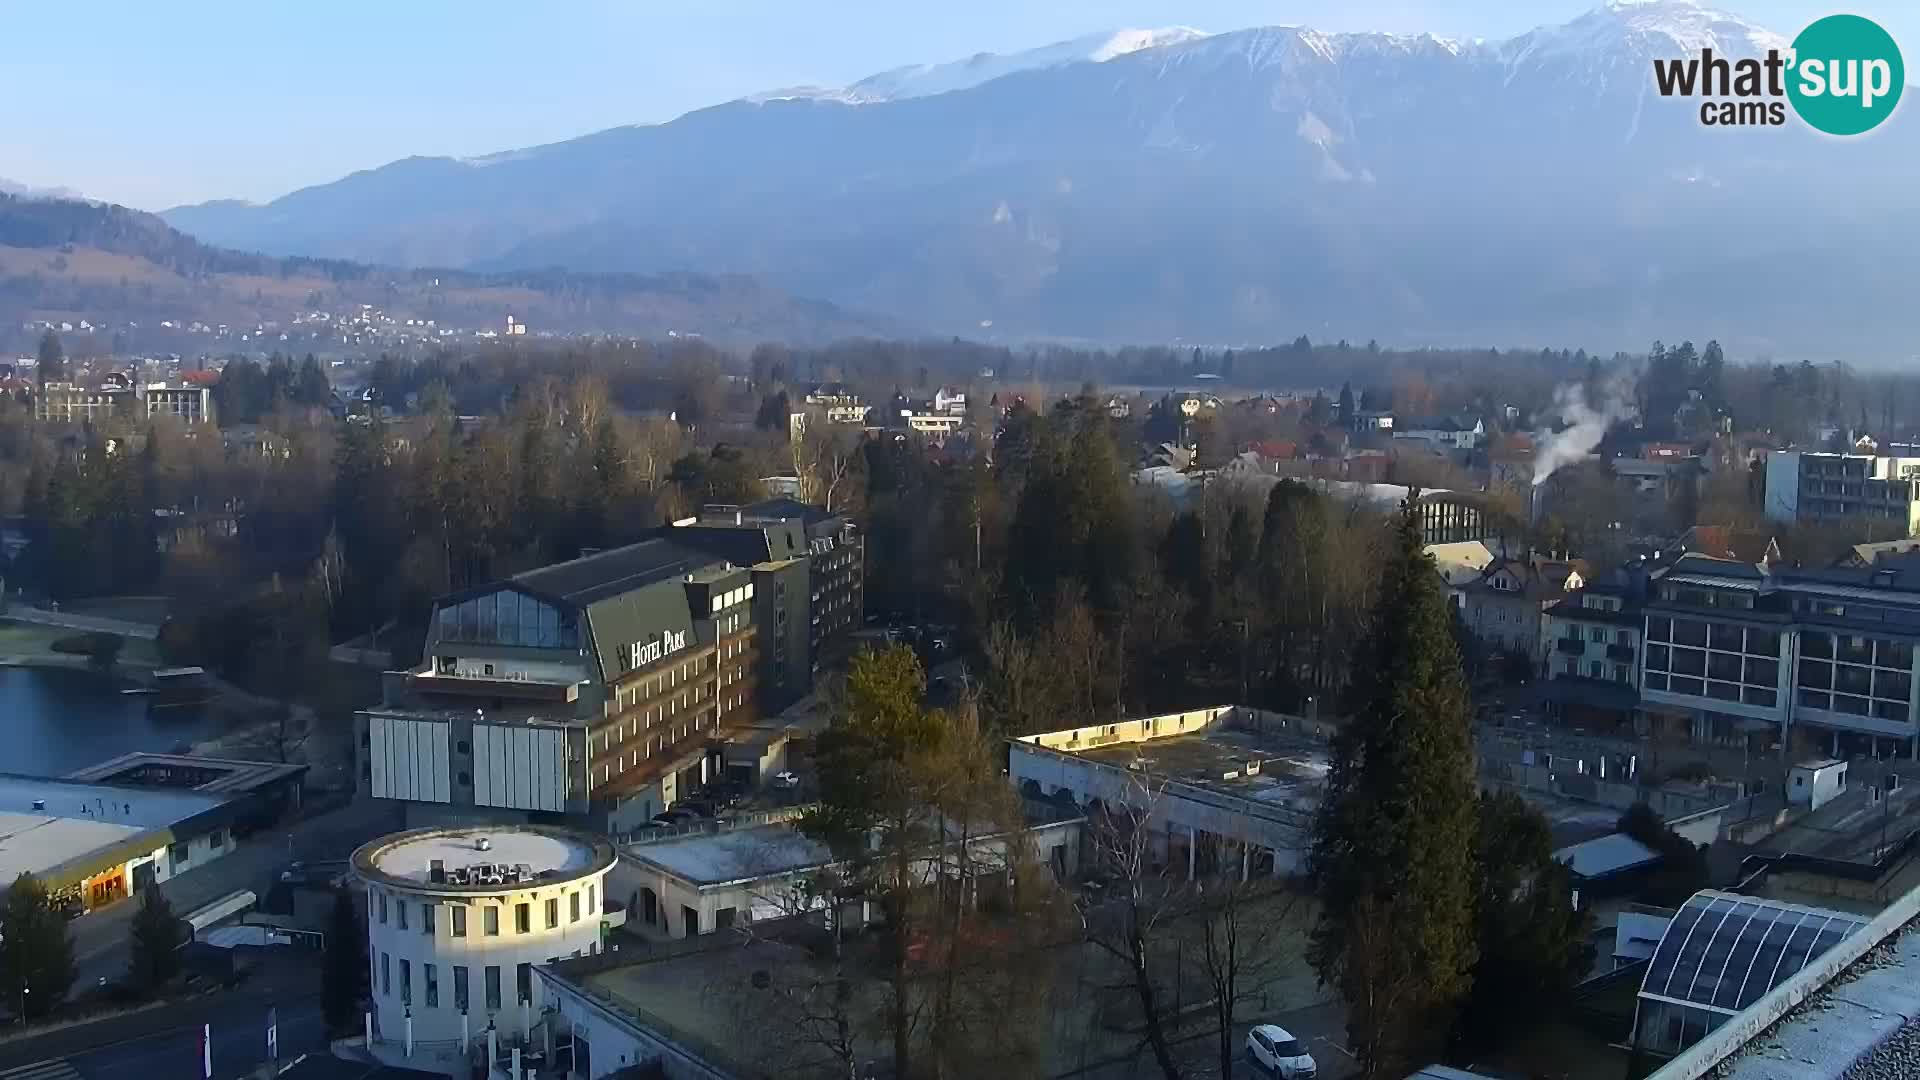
{"x":407,"y":859}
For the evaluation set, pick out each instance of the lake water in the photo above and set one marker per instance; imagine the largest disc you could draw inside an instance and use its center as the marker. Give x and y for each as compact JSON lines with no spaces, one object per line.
{"x":54,"y":721}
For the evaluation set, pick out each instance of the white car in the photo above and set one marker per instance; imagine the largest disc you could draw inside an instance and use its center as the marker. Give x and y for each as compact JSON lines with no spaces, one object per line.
{"x":1275,"y":1050}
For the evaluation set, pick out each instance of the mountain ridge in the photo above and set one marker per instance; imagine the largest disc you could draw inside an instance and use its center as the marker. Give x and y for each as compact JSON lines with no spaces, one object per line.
{"x":1146,"y":195}
{"x":96,"y":259}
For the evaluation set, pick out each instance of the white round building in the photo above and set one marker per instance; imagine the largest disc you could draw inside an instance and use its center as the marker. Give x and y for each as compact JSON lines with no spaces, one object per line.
{"x":457,"y":919}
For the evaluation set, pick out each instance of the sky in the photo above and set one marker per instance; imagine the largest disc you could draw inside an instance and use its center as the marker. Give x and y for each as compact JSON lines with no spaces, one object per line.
{"x":157,"y":104}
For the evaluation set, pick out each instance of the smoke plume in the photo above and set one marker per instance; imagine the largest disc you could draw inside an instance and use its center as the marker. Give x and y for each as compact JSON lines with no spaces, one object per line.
{"x":1586,"y":414}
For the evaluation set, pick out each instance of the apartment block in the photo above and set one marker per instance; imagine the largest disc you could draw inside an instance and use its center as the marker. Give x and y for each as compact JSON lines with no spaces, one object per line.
{"x":1806,"y":486}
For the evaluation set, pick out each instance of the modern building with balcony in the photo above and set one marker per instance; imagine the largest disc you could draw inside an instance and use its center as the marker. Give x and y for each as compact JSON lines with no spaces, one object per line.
{"x":1821,"y":661}
{"x":1807,"y":486}
{"x":594,"y":691}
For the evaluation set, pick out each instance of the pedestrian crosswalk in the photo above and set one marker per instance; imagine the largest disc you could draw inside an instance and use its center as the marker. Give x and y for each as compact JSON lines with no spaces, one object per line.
{"x":55,"y":1069}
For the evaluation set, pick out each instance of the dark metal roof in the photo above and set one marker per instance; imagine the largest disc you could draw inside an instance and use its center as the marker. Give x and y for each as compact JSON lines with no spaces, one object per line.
{"x":592,"y":578}
{"x":783,"y":507}
{"x":1696,"y":563}
{"x":1723,"y":952}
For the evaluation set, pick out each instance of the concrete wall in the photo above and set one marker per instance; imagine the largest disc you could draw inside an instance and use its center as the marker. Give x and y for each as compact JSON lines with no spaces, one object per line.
{"x":408,"y":759}
{"x":520,"y":767}
{"x":199,"y":850}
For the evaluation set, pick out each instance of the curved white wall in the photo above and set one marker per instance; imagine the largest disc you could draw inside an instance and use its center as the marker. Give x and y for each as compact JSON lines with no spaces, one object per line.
{"x":397,"y":932}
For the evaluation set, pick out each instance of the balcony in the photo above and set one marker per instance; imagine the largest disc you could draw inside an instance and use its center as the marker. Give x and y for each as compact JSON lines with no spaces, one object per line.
{"x":511,"y":689}
{"x":1573,"y":645}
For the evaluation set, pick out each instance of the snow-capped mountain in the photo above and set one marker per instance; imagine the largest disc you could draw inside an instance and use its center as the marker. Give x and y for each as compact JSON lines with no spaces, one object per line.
{"x":1239,"y":186}
{"x":921,"y":80}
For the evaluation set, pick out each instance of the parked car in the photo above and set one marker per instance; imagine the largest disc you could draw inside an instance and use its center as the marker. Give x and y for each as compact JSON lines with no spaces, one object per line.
{"x":1274,"y":1050}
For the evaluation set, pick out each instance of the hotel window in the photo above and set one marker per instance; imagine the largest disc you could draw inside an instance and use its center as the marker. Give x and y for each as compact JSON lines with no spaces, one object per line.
{"x":426,"y":918}
{"x":523,"y":918}
{"x":386,"y":977}
{"x":383,"y":907}
{"x":493,"y":987}
{"x":460,"y":987}
{"x":573,"y":907}
{"x":431,"y":976}
{"x":490,"y":920}
{"x":553,"y":912}
{"x":406,"y":982}
{"x":459,"y":920}
{"x":523,"y":982}
{"x":400,"y":914}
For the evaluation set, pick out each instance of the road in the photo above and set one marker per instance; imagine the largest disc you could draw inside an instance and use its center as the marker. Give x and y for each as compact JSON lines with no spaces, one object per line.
{"x":163,"y":1043}
{"x":1321,"y":1027}
{"x":100,"y":937}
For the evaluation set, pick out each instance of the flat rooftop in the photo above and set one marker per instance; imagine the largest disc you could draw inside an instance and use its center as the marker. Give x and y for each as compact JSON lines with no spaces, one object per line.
{"x":131,"y":807}
{"x":1605,"y":855}
{"x":32,"y":844}
{"x":735,"y":855}
{"x":406,"y":858}
{"x":1288,"y":770}
{"x":702,"y":995}
{"x":61,"y":830}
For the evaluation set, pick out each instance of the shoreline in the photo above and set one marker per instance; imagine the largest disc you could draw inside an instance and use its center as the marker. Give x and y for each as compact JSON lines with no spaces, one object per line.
{"x":246,"y":723}
{"x":126,"y":675}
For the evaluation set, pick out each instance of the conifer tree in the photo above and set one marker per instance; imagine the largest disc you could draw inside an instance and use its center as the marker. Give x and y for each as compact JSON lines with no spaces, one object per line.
{"x":1394,"y":843}
{"x":157,"y":936}
{"x":36,"y":955}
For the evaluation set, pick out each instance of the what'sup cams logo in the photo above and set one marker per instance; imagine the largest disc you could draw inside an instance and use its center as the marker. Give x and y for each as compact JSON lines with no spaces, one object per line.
{"x":1842,"y":75}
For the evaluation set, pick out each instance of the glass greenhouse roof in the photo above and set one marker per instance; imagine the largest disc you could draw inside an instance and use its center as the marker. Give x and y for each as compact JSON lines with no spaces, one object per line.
{"x":1724,"y":951}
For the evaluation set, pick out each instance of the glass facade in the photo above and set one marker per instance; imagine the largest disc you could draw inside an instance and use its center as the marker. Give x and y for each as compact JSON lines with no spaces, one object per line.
{"x":1861,"y":676}
{"x":1720,"y":661}
{"x":508,"y":618}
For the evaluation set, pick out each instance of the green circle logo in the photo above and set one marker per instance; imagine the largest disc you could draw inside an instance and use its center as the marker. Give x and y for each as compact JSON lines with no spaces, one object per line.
{"x":1845,"y":75}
